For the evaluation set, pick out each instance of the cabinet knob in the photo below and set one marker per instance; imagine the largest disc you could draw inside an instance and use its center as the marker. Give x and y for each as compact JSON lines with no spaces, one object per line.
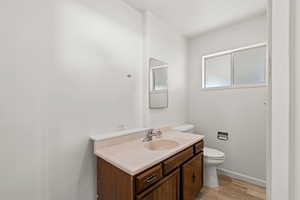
{"x":193,"y":177}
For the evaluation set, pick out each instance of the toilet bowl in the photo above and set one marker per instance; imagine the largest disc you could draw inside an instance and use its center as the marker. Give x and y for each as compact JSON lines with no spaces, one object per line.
{"x":212,"y":159}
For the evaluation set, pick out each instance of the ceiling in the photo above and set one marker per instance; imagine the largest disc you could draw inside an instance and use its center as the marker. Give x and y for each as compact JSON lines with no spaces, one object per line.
{"x":193,"y":17}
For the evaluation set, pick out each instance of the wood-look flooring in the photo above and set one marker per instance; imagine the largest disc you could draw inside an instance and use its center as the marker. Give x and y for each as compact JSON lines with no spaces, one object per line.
{"x":233,"y":189}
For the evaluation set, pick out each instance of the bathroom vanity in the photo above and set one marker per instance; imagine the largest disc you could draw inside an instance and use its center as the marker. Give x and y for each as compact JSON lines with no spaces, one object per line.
{"x":168,"y":168}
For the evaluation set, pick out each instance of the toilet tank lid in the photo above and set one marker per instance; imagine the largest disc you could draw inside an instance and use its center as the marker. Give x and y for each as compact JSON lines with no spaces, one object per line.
{"x":184,"y":127}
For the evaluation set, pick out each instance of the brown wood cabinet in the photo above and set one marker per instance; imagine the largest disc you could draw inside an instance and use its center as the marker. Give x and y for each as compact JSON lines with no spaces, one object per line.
{"x":192,"y":177}
{"x":167,"y":189}
{"x":177,"y":160}
{"x":179,"y":177}
{"x":113,"y":183}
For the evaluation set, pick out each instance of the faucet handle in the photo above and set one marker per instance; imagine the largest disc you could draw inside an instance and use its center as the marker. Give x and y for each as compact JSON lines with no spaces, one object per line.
{"x":148,"y":136}
{"x":150,"y":131}
{"x":157,"y":132}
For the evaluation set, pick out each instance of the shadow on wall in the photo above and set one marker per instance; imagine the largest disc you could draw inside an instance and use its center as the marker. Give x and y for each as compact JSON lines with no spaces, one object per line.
{"x":88,"y":174}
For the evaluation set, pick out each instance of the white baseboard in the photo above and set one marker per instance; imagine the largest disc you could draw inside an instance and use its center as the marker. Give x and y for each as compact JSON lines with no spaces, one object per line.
{"x":242,"y":177}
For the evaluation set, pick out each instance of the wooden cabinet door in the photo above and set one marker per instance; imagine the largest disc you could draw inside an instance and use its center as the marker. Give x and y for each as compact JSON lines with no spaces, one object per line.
{"x":113,"y":183}
{"x":168,"y":189}
{"x":192,"y":177}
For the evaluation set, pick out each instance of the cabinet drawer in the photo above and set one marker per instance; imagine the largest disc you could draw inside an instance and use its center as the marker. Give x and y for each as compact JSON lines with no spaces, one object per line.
{"x":167,"y":188}
{"x":199,"y":147}
{"x":177,"y":160}
{"x":148,"y":177}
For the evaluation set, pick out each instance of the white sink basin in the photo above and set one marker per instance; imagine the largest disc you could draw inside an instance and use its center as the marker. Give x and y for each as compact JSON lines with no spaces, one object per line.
{"x":160,"y":145}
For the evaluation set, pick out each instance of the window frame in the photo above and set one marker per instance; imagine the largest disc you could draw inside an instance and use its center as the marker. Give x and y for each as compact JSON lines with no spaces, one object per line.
{"x":231,"y":52}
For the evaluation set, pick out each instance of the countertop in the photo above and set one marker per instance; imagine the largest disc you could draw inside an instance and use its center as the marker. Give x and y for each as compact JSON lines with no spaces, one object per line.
{"x":129,"y":154}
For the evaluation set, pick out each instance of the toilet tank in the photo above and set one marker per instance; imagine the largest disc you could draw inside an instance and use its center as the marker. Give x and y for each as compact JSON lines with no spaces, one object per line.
{"x":190,"y":128}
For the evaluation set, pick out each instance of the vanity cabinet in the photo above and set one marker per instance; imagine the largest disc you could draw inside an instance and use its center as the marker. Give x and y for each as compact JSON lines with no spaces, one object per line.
{"x":147,"y":178}
{"x":167,"y":189}
{"x":179,"y":177}
{"x":192,"y":177}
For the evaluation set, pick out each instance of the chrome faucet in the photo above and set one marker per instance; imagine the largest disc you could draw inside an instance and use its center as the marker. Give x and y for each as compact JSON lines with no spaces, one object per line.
{"x":151,"y":133}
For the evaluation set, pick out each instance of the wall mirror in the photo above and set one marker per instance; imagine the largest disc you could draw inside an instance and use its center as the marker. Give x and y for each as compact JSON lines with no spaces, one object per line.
{"x":158,"y":85}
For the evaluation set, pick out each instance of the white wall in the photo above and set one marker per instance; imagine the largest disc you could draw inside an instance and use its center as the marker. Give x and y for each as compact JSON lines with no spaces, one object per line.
{"x":297,"y":103}
{"x":281,"y":100}
{"x":63,"y":77}
{"x":241,"y":112}
{"x":64,"y":67}
{"x":24,"y":55}
{"x":163,"y":42}
{"x":97,"y":44}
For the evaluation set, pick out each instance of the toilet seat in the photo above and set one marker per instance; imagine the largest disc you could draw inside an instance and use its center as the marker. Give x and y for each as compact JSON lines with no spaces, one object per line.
{"x":214,"y":154}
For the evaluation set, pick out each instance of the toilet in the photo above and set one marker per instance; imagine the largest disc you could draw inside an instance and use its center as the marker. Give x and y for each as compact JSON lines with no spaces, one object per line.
{"x":212,"y":159}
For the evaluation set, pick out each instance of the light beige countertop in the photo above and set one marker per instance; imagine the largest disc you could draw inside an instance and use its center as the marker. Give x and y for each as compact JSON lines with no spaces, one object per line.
{"x":129,"y":153}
